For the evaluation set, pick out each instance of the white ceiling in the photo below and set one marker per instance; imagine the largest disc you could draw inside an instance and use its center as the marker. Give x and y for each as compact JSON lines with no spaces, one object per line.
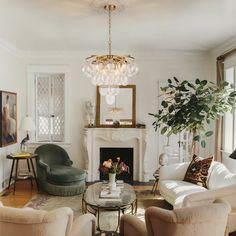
{"x":139,"y":25}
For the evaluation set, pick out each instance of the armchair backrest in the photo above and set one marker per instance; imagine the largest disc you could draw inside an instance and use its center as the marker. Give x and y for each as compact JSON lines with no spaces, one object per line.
{"x":52,"y":154}
{"x":29,"y":222}
{"x":196,"y":221}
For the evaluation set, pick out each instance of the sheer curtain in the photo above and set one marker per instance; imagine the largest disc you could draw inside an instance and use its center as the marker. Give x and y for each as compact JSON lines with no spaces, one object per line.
{"x":219,"y":122}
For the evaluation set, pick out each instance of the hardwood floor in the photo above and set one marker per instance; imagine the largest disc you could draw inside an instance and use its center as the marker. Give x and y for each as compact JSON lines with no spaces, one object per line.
{"x":24,"y":193}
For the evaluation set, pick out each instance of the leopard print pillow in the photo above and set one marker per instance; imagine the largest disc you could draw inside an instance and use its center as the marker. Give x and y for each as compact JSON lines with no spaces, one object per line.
{"x":197,"y":171}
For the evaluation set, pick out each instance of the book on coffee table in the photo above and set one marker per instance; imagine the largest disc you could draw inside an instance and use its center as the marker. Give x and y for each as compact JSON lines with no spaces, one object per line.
{"x":112,"y":194}
{"x":120,"y":183}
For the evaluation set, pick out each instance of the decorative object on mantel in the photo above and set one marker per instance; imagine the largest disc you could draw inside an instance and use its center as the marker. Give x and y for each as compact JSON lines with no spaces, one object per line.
{"x":8,"y":125}
{"x":90,"y":113}
{"x":113,"y":168}
{"x":116,"y":124}
{"x":189,"y":106}
{"x":109,"y":71}
{"x":140,"y":125}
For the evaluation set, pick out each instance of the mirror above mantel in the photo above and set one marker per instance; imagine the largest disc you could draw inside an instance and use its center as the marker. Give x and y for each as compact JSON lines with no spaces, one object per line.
{"x":122,"y":110}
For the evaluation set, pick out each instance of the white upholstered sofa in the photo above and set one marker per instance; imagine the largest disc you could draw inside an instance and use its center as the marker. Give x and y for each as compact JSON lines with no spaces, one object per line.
{"x":221,"y":183}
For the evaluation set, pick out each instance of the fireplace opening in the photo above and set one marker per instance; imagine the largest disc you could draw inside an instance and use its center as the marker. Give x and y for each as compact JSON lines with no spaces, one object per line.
{"x":125,"y":154}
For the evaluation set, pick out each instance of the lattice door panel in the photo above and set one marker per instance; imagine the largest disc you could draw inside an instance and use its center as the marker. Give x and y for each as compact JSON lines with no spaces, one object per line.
{"x":58,"y":90}
{"x":43,"y":107}
{"x":50,"y":107}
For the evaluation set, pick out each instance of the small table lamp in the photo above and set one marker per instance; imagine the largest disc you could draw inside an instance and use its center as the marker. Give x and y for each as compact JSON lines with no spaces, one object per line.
{"x":27,"y":125}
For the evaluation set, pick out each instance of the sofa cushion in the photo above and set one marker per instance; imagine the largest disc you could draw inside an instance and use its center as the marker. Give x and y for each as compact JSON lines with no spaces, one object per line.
{"x":174,"y":191}
{"x":220,"y":176}
{"x":233,"y":155}
{"x":197,"y":171}
{"x":65,"y":174}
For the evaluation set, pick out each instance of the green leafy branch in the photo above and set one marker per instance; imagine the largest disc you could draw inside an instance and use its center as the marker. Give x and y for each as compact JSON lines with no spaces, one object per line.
{"x":189,"y":106}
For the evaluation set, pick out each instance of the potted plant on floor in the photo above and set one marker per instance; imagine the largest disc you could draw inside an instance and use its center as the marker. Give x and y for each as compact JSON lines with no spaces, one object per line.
{"x":190,"y":106}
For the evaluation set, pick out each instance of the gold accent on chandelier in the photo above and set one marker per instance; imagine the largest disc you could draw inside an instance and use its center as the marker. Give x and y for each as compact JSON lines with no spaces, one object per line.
{"x":110,"y":71}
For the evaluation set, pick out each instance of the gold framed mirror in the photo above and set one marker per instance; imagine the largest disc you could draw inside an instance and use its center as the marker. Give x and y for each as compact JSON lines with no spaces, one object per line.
{"x":120,"y":114}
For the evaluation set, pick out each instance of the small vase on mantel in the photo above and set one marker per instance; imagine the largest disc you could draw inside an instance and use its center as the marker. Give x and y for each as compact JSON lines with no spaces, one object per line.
{"x":112,"y":181}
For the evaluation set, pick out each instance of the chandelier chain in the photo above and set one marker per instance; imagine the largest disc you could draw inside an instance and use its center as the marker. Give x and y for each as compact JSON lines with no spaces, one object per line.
{"x":109,"y":42}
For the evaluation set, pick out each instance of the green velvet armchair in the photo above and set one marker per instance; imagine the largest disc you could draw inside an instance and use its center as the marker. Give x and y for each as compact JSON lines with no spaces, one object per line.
{"x":55,"y":173}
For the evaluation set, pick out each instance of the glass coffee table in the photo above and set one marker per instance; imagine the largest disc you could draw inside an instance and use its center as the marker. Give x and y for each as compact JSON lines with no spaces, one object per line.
{"x":92,"y":203}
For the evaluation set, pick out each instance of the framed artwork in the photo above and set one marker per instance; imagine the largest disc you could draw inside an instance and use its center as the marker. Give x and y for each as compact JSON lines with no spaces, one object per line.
{"x":8,"y":125}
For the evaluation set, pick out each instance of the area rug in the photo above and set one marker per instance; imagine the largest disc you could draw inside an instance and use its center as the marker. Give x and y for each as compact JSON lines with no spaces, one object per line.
{"x":108,"y":220}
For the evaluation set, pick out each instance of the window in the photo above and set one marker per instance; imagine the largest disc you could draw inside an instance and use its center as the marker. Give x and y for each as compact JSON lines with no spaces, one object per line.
{"x":229,"y":120}
{"x":48,"y":102}
{"x":50,"y":107}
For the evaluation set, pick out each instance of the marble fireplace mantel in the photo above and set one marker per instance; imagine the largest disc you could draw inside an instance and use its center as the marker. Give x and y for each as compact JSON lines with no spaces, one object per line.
{"x":95,"y":138}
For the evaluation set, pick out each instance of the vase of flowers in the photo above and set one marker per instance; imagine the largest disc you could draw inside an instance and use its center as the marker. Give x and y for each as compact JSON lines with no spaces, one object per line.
{"x":113,"y":168}
{"x":112,"y":180}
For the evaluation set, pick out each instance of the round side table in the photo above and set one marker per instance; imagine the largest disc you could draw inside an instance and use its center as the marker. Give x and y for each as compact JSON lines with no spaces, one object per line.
{"x":15,"y":159}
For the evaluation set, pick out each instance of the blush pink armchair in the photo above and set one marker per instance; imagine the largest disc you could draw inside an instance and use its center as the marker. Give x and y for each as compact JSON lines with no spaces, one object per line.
{"x":188,"y":221}
{"x":30,"y":222}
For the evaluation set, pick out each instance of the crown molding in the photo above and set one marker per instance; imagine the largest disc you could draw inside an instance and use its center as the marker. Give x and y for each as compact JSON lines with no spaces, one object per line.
{"x":139,"y":55}
{"x":224,"y":47}
{"x":145,"y":55}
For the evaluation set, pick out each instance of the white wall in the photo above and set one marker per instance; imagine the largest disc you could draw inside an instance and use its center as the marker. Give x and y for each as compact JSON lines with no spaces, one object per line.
{"x":12,"y":78}
{"x":159,"y":67}
{"x":153,"y":67}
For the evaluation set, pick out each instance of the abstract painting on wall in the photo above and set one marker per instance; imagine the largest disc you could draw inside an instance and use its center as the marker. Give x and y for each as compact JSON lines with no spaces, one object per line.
{"x":8,"y":125}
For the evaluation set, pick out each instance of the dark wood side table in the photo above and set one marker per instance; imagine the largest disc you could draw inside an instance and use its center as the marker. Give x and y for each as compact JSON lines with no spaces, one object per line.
{"x":15,"y":159}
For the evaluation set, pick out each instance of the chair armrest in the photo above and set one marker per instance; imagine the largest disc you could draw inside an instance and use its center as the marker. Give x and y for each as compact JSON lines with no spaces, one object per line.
{"x":68,"y":162}
{"x":84,"y":225}
{"x":174,"y":171}
{"x":43,"y":165}
{"x":131,"y":225}
{"x":227,"y":193}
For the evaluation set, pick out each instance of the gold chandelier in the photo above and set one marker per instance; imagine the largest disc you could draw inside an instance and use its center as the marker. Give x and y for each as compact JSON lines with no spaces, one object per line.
{"x":109,"y":71}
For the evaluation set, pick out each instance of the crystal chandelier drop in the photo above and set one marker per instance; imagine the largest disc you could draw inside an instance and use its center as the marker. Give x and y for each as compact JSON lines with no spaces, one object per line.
{"x":109,"y":71}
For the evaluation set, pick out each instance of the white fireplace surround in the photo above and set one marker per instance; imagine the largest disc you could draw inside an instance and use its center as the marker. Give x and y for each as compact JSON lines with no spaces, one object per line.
{"x":95,"y":138}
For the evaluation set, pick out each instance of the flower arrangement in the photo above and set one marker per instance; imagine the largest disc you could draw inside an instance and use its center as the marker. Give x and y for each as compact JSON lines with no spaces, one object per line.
{"x":113,"y":167}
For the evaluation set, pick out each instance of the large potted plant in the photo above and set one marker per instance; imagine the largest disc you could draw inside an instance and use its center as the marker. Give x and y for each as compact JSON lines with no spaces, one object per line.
{"x":190,"y":106}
